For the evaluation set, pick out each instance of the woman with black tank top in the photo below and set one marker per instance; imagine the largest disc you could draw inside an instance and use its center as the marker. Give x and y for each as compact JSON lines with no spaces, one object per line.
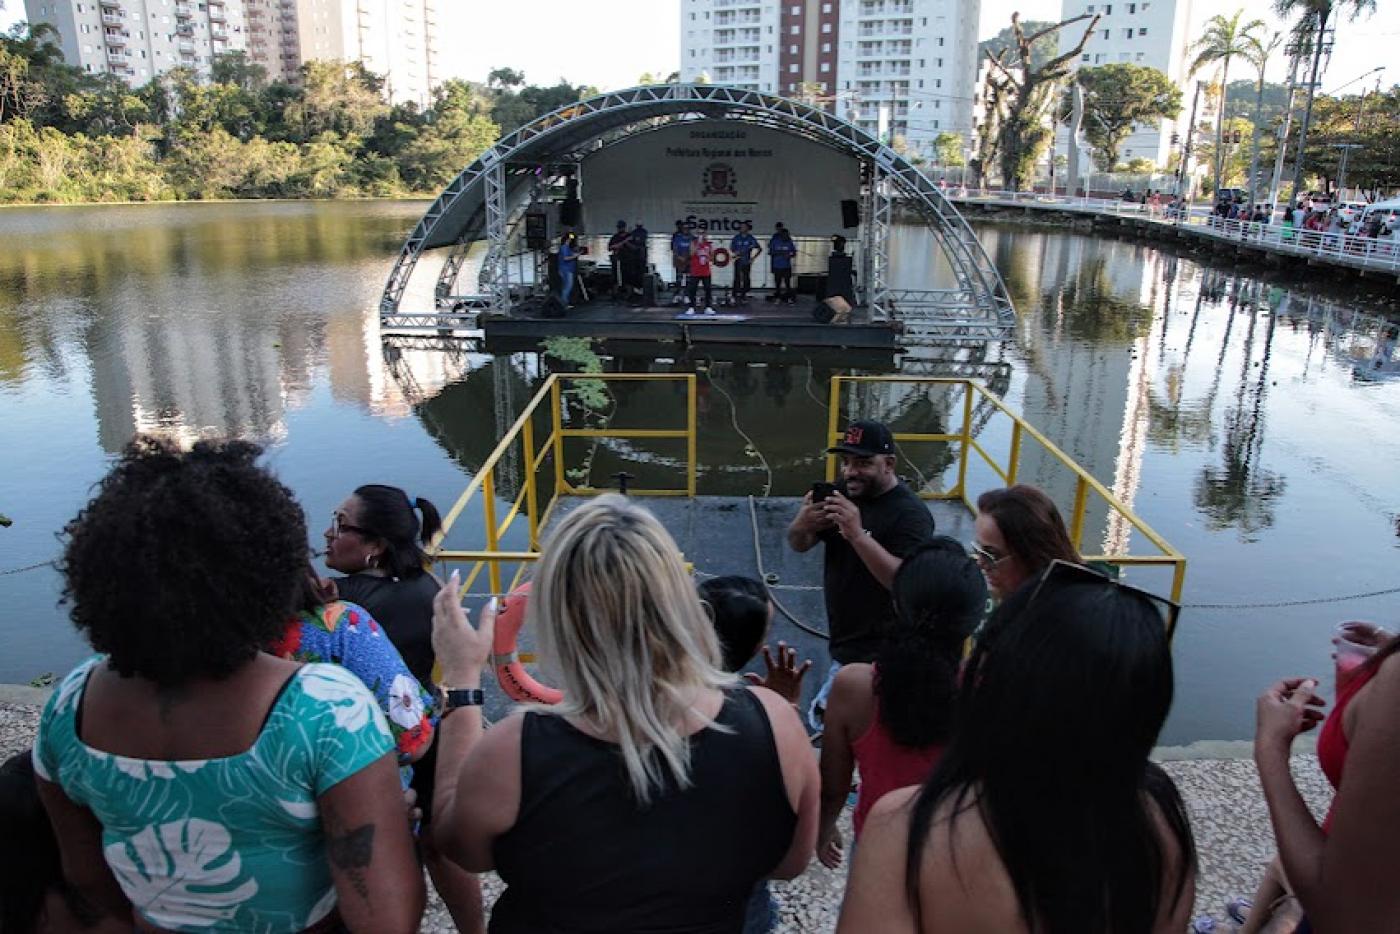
{"x":376,"y":539}
{"x":660,"y":790}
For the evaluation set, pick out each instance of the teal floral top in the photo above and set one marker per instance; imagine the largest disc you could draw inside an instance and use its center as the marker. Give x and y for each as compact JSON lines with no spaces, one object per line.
{"x":234,"y":843}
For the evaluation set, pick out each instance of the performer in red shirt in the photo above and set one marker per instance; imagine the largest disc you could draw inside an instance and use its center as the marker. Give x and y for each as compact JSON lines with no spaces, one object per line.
{"x":701,"y":253}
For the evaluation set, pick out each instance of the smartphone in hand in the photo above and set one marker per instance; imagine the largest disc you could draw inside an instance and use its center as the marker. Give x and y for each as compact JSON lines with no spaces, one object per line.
{"x":821,"y":490}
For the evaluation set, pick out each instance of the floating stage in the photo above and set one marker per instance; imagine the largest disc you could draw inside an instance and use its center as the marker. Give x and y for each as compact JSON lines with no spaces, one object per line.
{"x":757,"y":322}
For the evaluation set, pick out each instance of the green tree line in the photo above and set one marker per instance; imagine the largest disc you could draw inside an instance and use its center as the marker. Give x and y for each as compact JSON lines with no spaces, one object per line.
{"x":67,"y":136}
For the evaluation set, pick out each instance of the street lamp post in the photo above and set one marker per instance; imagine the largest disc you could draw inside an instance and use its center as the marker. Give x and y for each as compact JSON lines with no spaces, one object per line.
{"x":1346,"y":148}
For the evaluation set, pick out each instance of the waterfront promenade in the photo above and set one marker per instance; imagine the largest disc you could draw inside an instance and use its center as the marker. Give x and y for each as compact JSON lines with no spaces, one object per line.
{"x":1217,"y":780}
{"x":1366,"y":256}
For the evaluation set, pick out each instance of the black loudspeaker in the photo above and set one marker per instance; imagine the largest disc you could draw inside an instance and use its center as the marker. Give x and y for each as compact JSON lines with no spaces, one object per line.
{"x":840,"y":278}
{"x":649,"y":289}
{"x":813,"y":283}
{"x":552,"y":308}
{"x":536,"y":231}
{"x":850,"y":213}
{"x":570,"y":212}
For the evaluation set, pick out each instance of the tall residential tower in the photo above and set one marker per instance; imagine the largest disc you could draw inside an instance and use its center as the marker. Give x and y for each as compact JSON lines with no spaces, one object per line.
{"x":904,"y":66}
{"x":139,"y":39}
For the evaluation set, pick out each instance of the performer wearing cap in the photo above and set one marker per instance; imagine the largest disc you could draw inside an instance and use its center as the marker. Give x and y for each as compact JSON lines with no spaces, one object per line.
{"x":680,"y":253}
{"x":743,"y":248}
{"x":868,"y":525}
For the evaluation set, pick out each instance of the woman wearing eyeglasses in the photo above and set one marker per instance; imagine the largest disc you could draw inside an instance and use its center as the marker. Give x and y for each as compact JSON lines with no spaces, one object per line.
{"x":1342,"y":872}
{"x":1018,"y":533}
{"x":892,"y":719}
{"x":376,"y":539}
{"x":1045,"y":813}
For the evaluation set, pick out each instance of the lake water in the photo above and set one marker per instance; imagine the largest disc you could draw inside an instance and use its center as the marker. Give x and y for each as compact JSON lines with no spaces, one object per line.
{"x":1255,"y":426}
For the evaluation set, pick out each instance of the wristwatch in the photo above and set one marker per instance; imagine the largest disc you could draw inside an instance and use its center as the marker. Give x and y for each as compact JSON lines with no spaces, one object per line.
{"x":449,"y":699}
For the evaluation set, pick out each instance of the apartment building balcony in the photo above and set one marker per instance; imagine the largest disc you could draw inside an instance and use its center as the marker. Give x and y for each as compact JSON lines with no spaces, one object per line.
{"x":113,"y":19}
{"x":124,"y":71}
{"x":738,"y":18}
{"x":112,"y":5}
{"x":183,"y":11}
{"x":886,"y":7}
{"x":218,"y":32}
{"x":184,"y":29}
{"x":116,"y":37}
{"x":722,"y":4}
{"x":118,"y":56}
{"x":217,"y":14}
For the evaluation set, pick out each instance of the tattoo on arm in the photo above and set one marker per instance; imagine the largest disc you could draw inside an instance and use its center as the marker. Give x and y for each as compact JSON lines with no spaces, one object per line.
{"x":350,"y":850}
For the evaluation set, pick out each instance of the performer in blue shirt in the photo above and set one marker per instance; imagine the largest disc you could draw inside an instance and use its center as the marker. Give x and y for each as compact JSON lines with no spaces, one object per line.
{"x":781,"y":250}
{"x":568,"y":266}
{"x":742,"y":247}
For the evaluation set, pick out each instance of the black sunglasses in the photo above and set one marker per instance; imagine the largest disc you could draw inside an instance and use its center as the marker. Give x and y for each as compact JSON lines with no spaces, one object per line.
{"x":337,"y":527}
{"x":1061,"y":571}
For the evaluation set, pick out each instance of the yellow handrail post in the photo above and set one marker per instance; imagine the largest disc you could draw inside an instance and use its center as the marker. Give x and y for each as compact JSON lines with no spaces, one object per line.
{"x":527,"y":437}
{"x":488,"y":504}
{"x":1081,"y":498}
{"x":692,"y":426}
{"x":1178,"y":579}
{"x":557,"y":419}
{"x":833,"y":418}
{"x":966,"y":435}
{"x":1014,"y":464}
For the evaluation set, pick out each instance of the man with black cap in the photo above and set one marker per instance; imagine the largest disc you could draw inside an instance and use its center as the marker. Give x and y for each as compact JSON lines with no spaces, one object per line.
{"x":868,"y":525}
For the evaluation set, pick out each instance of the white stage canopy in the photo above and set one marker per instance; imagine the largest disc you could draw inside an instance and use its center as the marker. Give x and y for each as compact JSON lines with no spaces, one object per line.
{"x":718,"y":173}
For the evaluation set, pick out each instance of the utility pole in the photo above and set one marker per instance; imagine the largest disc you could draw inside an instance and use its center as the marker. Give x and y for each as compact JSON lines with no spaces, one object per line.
{"x":1190,"y":132}
{"x":1346,"y":148}
{"x":1320,"y":43}
{"x":1295,"y":53}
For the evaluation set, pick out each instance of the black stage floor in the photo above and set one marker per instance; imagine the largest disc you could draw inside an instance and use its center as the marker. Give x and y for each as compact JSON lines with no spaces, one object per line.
{"x":755,"y":322}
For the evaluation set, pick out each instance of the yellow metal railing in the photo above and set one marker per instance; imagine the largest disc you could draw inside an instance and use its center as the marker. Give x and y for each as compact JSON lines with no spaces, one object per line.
{"x":528,"y":500}
{"x":1021,"y":432}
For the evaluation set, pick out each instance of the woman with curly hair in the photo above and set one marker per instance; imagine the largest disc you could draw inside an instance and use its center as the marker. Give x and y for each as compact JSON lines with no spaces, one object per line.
{"x":893,"y":718}
{"x":193,"y":780}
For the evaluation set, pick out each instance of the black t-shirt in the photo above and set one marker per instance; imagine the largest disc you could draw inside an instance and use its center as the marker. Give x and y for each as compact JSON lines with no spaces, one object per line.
{"x":858,"y":607}
{"x":404,"y":607}
{"x":584,"y":858}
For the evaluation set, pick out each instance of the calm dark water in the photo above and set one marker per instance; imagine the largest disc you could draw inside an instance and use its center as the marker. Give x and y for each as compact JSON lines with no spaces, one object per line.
{"x":1256,"y":427}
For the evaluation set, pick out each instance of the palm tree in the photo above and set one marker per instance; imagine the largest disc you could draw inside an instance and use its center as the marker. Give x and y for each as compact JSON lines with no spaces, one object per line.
{"x":1223,"y":40}
{"x":1313,"y":17}
{"x":1259,"y":53}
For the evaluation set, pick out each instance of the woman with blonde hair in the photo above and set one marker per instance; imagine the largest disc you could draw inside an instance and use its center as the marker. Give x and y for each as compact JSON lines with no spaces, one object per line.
{"x":660,"y":790}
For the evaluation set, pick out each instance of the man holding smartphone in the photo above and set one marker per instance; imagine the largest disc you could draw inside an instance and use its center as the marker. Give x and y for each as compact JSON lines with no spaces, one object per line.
{"x":868,"y":524}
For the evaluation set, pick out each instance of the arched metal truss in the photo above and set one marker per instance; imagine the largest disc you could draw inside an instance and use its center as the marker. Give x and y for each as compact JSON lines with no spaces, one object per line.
{"x":479,"y":202}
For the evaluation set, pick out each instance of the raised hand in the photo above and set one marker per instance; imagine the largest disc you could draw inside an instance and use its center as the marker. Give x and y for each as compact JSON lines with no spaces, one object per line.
{"x":784,"y":676}
{"x":463,"y":652}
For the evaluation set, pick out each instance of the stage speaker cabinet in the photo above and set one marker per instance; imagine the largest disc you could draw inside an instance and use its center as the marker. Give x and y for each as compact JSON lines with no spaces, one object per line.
{"x":537,"y":230}
{"x":570,"y":212}
{"x":850,"y":213}
{"x":651,"y":287}
{"x":812,"y":284}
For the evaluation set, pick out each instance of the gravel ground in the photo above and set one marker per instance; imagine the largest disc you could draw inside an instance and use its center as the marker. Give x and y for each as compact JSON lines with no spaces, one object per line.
{"x":1227,"y":809}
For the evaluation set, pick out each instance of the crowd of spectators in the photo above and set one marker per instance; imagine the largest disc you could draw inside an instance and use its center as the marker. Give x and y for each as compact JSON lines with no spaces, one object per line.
{"x":256,"y":748}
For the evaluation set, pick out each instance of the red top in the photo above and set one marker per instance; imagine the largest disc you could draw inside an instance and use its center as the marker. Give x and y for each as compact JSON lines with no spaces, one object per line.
{"x":700,"y":253}
{"x":1332,"y":740}
{"x":885,"y":765}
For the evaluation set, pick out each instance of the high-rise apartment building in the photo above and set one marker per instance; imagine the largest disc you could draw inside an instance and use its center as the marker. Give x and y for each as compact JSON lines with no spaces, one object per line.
{"x":139,"y":39}
{"x":397,"y":39}
{"x":1154,"y":33}
{"x":906,"y":67}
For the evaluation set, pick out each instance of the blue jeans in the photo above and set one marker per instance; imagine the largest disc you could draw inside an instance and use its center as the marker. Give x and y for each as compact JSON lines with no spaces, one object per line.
{"x":566,"y":284}
{"x":762,"y":913}
{"x":817,"y":711}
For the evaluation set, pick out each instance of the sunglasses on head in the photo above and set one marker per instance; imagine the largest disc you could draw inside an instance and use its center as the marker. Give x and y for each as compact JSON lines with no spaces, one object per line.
{"x":1063,"y":572}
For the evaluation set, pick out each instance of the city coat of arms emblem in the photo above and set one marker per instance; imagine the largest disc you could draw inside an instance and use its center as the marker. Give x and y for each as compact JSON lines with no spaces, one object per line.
{"x":718,"y":179}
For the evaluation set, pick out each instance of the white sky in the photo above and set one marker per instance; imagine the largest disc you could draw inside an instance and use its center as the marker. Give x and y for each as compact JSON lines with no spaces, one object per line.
{"x":610,"y":43}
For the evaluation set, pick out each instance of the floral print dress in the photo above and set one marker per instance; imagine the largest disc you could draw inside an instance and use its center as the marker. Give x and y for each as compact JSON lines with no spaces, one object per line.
{"x":233,"y":843}
{"x":345,"y":634}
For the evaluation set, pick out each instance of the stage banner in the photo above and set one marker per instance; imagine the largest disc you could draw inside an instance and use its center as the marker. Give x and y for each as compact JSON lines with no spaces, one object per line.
{"x":718,"y":173}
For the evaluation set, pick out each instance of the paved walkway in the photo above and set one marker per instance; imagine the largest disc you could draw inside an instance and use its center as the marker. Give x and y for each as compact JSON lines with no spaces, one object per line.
{"x":1369,"y":255}
{"x":1227,"y":813}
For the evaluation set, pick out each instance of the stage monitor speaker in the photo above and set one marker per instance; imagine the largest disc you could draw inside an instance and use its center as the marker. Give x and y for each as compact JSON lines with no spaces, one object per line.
{"x":536,"y":231}
{"x":651,"y":285}
{"x":812,"y":284}
{"x":850,"y":213}
{"x":570,"y":212}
